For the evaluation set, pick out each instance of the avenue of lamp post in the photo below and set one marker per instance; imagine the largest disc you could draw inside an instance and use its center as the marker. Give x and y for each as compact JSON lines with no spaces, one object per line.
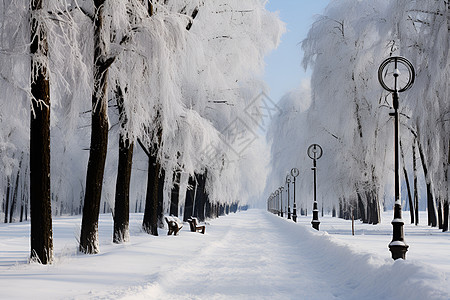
{"x":315,"y":152}
{"x":294,"y":173}
{"x":401,"y":81}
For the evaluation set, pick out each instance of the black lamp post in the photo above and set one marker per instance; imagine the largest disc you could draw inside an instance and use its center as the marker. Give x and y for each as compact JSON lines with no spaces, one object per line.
{"x":277,"y":193}
{"x":274,"y":205}
{"x":294,"y":173}
{"x":288,"y":180}
{"x":401,"y":72}
{"x":315,"y":152}
{"x":281,"y":199}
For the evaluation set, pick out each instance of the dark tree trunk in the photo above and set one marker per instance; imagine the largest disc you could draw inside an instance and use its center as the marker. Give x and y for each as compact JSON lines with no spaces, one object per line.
{"x":8,"y":192}
{"x":408,"y":186}
{"x":439,"y":213}
{"x":362,"y":209}
{"x":214,"y":211}
{"x":410,"y":198}
{"x":445,"y":223}
{"x":22,"y":206}
{"x":446,"y":166}
{"x":15,"y":194}
{"x":24,"y":198}
{"x":200,"y":197}
{"x":99,"y":139}
{"x":122,"y":199}
{"x":370,"y":211}
{"x":430,"y":199}
{"x":375,"y":208}
{"x":175,"y":194}
{"x":416,"y":191}
{"x":150,"y":222}
{"x":41,"y":212}
{"x":208,"y":209}
{"x":190,"y":196}
{"x":160,"y":189}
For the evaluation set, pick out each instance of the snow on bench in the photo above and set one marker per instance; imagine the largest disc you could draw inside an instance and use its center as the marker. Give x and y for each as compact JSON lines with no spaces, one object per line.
{"x":174,"y":224}
{"x":193,"y":221}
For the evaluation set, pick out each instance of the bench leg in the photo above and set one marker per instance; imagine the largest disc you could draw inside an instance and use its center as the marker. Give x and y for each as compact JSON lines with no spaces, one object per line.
{"x":176,"y":231}
{"x":201,"y":229}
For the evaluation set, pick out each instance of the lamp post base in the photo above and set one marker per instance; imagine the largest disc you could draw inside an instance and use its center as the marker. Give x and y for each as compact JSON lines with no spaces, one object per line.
{"x":294,"y":216}
{"x":315,"y":221}
{"x":289,"y":213}
{"x":398,"y":249}
{"x":398,"y":246}
{"x":315,"y":224}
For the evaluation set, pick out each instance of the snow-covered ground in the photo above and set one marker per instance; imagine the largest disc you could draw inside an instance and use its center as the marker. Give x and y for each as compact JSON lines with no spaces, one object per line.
{"x":248,"y":255}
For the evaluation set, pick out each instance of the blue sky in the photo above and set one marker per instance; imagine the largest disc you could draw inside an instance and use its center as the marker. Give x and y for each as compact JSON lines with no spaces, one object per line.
{"x":283,"y":71}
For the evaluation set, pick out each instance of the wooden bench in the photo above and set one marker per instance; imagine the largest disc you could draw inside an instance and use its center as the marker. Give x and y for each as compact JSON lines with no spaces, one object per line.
{"x":193,"y":221}
{"x":174,"y":224}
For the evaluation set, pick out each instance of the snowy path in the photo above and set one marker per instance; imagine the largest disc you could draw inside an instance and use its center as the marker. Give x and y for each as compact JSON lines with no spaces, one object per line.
{"x":248,"y":255}
{"x":254,"y":259}
{"x":261,"y":256}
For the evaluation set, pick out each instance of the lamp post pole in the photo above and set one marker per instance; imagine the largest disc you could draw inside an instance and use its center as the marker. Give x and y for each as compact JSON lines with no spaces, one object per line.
{"x":315,"y":152}
{"x":288,"y":181}
{"x":294,"y":173}
{"x":277,"y":193}
{"x":391,"y":67}
{"x":274,"y":203}
{"x":281,"y":199}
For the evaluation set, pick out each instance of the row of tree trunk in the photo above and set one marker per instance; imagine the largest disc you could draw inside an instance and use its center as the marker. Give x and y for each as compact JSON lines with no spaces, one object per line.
{"x":197,"y":204}
{"x":153,"y":213}
{"x":14,"y":201}
{"x":366,"y":208}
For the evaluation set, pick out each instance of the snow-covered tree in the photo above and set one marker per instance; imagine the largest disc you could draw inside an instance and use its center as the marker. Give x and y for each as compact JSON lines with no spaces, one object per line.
{"x":172,"y":74}
{"x":422,"y":34}
{"x":344,"y":49}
